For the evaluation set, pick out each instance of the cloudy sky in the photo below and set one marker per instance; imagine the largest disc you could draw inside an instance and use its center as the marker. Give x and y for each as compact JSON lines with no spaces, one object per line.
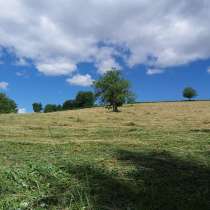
{"x":51,"y":49}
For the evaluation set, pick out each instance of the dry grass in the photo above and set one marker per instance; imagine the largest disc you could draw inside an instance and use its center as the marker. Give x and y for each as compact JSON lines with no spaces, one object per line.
{"x":81,"y":125}
{"x":148,"y":156}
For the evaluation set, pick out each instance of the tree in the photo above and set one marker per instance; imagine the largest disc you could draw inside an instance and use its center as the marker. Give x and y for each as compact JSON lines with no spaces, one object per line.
{"x":189,"y":93}
{"x":50,"y":108}
{"x":59,"y":107}
{"x":69,"y":104}
{"x":85,"y":99}
{"x":37,"y":107}
{"x":113,"y":90}
{"x":7,"y":105}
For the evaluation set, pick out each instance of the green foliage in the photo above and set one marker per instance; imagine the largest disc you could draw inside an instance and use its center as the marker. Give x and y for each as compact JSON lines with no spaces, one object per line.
{"x":85,"y":99}
{"x":69,"y":104}
{"x":113,"y":90}
{"x":51,"y":108}
{"x":59,"y":107}
{"x":37,"y":107}
{"x":7,"y":105}
{"x":189,"y":93}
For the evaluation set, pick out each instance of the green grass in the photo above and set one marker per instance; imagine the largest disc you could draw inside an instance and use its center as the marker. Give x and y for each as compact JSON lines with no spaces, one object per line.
{"x":147,"y":157}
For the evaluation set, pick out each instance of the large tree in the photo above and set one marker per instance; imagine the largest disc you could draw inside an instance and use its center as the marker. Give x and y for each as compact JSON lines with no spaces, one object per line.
{"x":7,"y":105}
{"x":189,"y":93}
{"x":112,"y":89}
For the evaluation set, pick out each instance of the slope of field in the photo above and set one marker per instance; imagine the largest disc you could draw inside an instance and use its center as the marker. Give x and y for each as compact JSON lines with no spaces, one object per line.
{"x":146,"y":157}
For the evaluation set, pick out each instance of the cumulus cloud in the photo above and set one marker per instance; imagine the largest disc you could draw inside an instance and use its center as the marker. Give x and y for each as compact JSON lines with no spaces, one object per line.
{"x":56,"y":67}
{"x":4,"y":85}
{"x":57,"y":36}
{"x":81,"y":80}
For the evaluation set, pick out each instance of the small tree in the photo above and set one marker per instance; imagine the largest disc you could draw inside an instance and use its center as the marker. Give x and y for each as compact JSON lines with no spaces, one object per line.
{"x":7,"y":105}
{"x":37,"y":107}
{"x":85,"y":99}
{"x":50,"y":108}
{"x":189,"y":93}
{"x":69,"y":104}
{"x":113,"y":90}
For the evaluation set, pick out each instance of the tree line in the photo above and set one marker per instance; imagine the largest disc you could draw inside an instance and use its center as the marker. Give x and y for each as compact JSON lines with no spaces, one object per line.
{"x":110,"y":90}
{"x":83,"y":99}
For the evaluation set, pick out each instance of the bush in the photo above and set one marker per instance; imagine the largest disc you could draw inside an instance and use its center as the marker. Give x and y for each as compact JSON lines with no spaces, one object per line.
{"x":7,"y":105}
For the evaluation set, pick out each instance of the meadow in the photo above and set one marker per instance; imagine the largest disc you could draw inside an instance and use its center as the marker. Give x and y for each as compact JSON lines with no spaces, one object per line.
{"x":149,"y":156}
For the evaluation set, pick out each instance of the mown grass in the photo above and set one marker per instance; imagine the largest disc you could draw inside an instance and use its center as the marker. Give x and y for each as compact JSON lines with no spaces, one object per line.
{"x":147,"y":157}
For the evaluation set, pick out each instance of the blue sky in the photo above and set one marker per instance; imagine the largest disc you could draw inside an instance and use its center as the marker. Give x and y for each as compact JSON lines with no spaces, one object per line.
{"x":48,"y":52}
{"x":27,"y":85}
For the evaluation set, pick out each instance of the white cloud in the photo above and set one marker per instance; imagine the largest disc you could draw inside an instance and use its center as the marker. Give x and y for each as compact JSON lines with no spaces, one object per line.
{"x":4,"y":85}
{"x":81,"y":80}
{"x":56,"y":37}
{"x":22,"y":111}
{"x":21,"y":62}
{"x":208,"y":70}
{"x":56,"y":67}
{"x":154,"y":71}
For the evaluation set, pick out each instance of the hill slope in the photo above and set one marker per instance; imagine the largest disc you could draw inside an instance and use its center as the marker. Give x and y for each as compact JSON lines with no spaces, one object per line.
{"x":149,"y":156}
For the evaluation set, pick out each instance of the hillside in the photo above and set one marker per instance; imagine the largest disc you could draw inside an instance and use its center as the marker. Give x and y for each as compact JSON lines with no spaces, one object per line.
{"x":149,"y":156}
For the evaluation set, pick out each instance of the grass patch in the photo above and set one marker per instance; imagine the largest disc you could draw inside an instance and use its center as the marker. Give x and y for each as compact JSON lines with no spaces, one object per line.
{"x":132,"y":160}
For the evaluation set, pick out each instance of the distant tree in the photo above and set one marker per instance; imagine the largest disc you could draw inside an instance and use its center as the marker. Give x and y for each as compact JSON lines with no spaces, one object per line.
{"x":113,"y":90}
{"x":37,"y":107}
{"x":69,"y":104}
{"x":85,"y":99}
{"x":7,"y":105}
{"x":50,"y":108}
{"x":59,"y":108}
{"x":189,"y":93}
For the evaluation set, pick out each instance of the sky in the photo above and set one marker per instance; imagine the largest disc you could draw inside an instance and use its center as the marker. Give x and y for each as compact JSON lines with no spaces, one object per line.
{"x":50,"y":50}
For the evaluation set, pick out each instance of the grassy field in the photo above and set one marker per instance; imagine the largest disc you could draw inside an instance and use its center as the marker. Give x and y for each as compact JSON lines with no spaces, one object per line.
{"x":147,"y":157}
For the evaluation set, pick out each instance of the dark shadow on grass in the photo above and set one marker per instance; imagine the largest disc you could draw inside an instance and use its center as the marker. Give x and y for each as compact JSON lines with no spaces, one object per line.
{"x":151,"y":181}
{"x":169,"y":182}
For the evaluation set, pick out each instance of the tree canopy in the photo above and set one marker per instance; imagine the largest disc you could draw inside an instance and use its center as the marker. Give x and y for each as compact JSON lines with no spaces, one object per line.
{"x":7,"y":105}
{"x":113,"y":90}
{"x":50,"y":108}
{"x":189,"y":93}
{"x":37,"y":107}
{"x":85,"y":99}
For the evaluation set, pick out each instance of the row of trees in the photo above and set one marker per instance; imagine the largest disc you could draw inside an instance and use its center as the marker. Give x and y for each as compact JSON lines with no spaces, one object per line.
{"x":111,"y":90}
{"x":83,"y":100}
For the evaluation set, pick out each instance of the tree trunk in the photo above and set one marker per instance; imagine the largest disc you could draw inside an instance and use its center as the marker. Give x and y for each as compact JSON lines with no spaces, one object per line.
{"x":115,"y":109}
